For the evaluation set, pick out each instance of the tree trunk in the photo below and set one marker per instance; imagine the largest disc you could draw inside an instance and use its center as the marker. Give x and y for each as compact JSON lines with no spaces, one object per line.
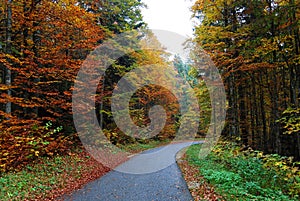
{"x":263,"y":115}
{"x":8,"y":76}
{"x":253,"y":112}
{"x":243,"y":114}
{"x":275,"y":131}
{"x":232,"y":113}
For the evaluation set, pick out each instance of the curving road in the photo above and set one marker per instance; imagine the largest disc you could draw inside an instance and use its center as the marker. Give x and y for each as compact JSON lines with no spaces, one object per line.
{"x":150,"y":176}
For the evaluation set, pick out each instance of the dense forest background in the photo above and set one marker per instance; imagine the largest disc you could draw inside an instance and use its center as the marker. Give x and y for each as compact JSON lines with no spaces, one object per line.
{"x":254,"y":44}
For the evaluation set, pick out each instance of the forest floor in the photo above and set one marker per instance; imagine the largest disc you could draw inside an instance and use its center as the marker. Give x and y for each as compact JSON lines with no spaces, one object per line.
{"x":50,"y":178}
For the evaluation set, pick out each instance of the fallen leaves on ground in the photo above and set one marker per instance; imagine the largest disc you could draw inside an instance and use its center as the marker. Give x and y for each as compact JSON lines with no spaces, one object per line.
{"x":199,"y":188}
{"x":74,"y":180}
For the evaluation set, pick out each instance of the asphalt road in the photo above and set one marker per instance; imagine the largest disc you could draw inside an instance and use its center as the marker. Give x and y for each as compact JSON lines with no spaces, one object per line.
{"x":150,"y":176}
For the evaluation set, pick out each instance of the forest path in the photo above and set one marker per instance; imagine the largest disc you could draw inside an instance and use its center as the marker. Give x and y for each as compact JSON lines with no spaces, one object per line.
{"x":145,"y":177}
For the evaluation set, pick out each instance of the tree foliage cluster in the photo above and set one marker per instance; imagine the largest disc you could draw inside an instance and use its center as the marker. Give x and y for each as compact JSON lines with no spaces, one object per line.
{"x":255,"y":45}
{"x":42,"y":47}
{"x":152,"y":54}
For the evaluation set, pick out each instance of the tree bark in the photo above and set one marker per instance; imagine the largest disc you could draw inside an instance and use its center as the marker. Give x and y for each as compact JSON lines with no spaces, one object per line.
{"x":263,"y":115}
{"x":8,"y":76}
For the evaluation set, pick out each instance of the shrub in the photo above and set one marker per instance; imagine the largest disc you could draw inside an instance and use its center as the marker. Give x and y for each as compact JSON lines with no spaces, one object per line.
{"x":245,"y":174}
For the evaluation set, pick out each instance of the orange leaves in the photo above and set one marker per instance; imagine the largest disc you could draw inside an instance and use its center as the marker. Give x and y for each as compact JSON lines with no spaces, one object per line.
{"x":67,"y":93}
{"x":48,"y":34}
{"x":4,"y":87}
{"x":50,"y":41}
{"x":30,"y":140}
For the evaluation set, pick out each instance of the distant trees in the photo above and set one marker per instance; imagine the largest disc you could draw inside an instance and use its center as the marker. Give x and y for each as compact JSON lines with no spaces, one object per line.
{"x":255,"y":45}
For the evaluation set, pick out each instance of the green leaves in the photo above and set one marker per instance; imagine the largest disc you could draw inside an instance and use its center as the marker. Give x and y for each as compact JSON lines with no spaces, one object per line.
{"x":119,"y":15}
{"x":290,"y":121}
{"x":239,"y":174}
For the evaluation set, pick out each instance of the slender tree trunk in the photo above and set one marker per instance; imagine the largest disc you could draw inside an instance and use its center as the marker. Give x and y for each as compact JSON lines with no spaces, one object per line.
{"x":36,"y":39}
{"x":256,"y":123}
{"x":252,"y":112}
{"x":297,"y":49}
{"x":233,"y":116}
{"x":8,"y":75}
{"x":292,"y":85}
{"x":298,"y":146}
{"x":263,"y":114}
{"x":275,"y":131}
{"x":243,"y":115}
{"x":284,"y":86}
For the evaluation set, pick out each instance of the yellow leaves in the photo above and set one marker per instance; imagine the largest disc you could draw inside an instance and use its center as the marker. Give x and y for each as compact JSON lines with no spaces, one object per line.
{"x":6,"y":87}
{"x":36,"y":153}
{"x":198,"y":6}
{"x":259,"y":154}
{"x":279,"y":163}
{"x":30,"y":42}
{"x":267,"y":46}
{"x":295,"y":169}
{"x":47,"y":83}
{"x":13,"y":58}
{"x":6,"y":154}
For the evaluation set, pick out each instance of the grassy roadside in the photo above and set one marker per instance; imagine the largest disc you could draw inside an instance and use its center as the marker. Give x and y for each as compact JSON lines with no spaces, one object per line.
{"x":239,"y":174}
{"x":50,"y":178}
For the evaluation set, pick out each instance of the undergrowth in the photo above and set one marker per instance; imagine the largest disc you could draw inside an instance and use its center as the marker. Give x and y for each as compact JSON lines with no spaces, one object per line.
{"x":239,"y":174}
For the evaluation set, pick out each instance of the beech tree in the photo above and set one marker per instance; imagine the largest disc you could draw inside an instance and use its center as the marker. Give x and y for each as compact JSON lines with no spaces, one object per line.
{"x":44,"y":45}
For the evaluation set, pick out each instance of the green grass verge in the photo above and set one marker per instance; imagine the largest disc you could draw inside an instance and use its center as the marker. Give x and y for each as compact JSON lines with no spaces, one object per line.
{"x":247,"y":175}
{"x":37,"y":179}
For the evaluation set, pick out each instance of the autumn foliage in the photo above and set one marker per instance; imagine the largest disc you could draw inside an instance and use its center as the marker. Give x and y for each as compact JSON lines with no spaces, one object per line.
{"x":42,"y":47}
{"x":47,"y":43}
{"x":255,"y":45}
